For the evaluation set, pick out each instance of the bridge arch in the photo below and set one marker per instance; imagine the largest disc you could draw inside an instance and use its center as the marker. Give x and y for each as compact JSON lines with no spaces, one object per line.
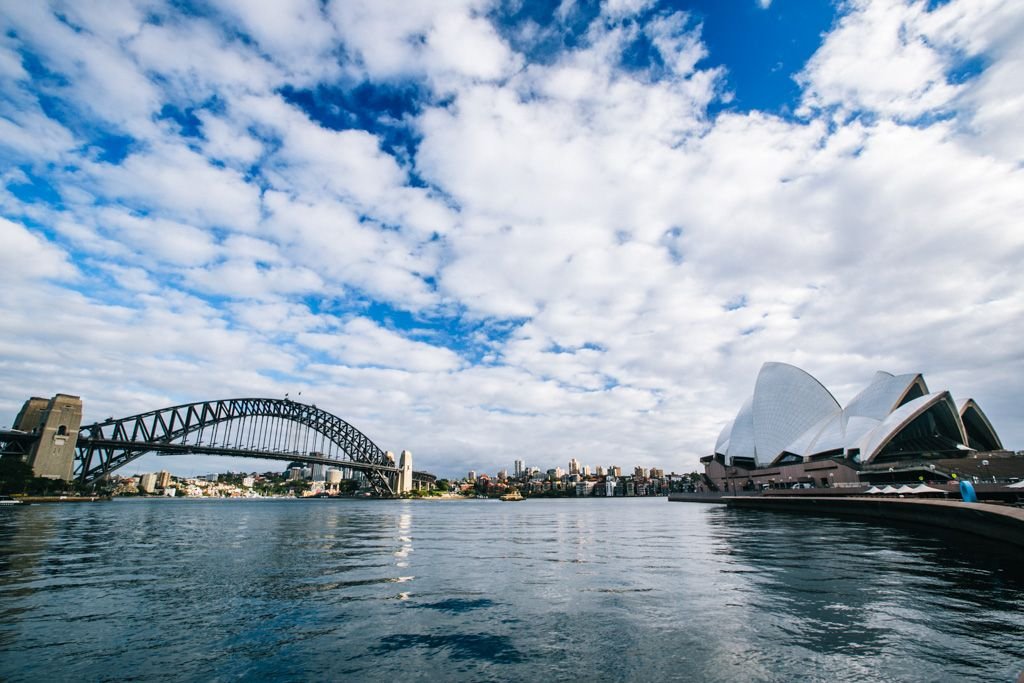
{"x":268,"y":428}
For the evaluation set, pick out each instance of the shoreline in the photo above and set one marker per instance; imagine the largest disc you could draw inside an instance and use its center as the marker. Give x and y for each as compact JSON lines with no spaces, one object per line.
{"x":1001,"y":523}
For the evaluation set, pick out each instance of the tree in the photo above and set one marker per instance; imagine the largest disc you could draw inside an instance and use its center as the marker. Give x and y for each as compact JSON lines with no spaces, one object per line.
{"x":15,"y":474}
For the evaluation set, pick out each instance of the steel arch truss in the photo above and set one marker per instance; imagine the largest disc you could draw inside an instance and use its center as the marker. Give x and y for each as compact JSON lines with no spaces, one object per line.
{"x":262,"y":428}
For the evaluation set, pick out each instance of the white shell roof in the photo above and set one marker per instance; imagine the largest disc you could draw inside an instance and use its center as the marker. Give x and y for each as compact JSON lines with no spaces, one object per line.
{"x":741,"y":439}
{"x":791,"y":412}
{"x":881,"y":397}
{"x":722,"y":445}
{"x":786,"y":402}
{"x":873,"y":441}
{"x":802,"y":444}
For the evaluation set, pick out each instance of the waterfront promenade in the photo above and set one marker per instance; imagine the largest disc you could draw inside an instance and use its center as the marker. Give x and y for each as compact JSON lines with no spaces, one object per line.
{"x":997,"y":522}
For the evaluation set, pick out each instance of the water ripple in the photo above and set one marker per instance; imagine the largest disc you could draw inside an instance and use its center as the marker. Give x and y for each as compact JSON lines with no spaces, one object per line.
{"x":615,"y":590}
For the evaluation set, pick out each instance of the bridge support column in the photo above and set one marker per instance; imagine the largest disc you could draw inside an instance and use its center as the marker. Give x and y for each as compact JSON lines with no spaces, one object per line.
{"x":405,"y":473}
{"x":57,"y":422}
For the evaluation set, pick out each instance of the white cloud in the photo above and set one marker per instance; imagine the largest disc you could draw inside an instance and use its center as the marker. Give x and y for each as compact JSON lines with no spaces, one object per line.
{"x":361,"y":342}
{"x":175,"y":180}
{"x":623,"y":261}
{"x":26,"y":256}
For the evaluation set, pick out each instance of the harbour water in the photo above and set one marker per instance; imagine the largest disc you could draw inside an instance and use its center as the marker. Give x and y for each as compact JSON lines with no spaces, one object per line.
{"x":608,"y":590}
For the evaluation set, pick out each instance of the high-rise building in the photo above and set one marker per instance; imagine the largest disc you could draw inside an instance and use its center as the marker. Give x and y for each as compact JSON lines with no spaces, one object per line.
{"x":599,"y":471}
{"x":657,"y":473}
{"x":574,"y":466}
{"x":333,"y":476}
{"x":519,"y":468}
{"x":147,"y":482}
{"x":585,"y":470}
{"x":318,"y":471}
{"x":614,"y":471}
{"x":472,"y":475}
{"x":609,"y":486}
{"x":502,"y":475}
{"x":639,"y":472}
{"x":163,"y":479}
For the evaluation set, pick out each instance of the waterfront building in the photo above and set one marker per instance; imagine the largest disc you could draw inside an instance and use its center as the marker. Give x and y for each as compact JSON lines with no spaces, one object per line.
{"x":317,"y":472}
{"x":147,"y":482}
{"x":248,"y":482}
{"x":294,"y":473}
{"x":609,"y":486}
{"x":792,"y":431}
{"x":163,"y":479}
{"x":584,"y":488}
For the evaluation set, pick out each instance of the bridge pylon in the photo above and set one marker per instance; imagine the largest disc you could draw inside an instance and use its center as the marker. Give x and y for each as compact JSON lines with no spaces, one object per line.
{"x":404,"y":473}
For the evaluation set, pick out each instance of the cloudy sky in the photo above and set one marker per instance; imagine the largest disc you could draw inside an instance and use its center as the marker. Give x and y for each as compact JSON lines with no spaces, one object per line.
{"x":486,"y":230}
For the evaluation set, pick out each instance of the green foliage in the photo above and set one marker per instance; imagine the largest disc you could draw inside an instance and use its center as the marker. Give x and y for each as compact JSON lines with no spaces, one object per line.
{"x":15,"y":475}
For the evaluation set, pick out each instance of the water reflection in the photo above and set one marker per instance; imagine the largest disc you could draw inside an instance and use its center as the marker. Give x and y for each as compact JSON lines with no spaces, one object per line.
{"x":854,"y":589}
{"x":605,"y":590}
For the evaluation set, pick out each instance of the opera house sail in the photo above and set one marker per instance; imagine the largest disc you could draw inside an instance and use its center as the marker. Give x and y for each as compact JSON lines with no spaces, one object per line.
{"x":791,"y":418}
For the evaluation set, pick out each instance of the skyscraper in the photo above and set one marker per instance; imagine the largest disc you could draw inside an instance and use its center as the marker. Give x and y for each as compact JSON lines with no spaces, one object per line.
{"x":574,"y":466}
{"x":518,"y":469}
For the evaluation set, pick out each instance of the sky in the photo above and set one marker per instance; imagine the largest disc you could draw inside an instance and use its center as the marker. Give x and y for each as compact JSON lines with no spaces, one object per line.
{"x":486,"y":231}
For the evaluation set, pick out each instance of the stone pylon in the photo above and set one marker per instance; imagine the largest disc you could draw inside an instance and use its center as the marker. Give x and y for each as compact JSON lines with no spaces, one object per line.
{"x":405,"y":473}
{"x":56,"y":421}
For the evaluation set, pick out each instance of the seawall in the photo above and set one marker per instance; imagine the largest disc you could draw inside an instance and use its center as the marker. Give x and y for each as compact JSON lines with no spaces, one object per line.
{"x":996,"y":522}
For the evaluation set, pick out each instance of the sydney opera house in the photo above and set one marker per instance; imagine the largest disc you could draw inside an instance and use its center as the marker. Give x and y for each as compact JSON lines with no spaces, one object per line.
{"x":793,"y":432}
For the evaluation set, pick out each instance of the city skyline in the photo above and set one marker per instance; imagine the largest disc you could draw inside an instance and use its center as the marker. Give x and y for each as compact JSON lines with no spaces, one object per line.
{"x":485,"y":232}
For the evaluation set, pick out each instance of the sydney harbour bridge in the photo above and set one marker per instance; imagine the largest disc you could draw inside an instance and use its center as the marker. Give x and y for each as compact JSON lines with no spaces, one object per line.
{"x":266,"y":428}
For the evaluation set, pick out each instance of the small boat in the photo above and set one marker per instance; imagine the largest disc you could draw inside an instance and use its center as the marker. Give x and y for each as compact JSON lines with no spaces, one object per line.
{"x":513,"y":495}
{"x":7,"y":500}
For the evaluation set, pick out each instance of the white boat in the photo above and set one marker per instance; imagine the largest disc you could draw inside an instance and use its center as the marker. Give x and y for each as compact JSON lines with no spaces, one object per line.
{"x":7,"y":500}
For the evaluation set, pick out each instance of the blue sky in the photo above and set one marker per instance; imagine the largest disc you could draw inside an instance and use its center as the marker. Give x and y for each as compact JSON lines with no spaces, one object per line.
{"x":486,"y":231}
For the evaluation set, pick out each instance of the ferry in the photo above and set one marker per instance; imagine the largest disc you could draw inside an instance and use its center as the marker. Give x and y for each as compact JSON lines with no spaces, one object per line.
{"x":513,"y":495}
